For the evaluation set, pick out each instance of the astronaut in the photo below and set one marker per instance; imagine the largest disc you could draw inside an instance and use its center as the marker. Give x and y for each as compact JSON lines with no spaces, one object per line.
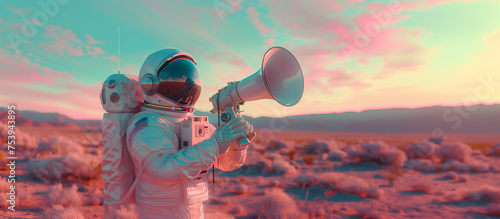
{"x":173,"y":183}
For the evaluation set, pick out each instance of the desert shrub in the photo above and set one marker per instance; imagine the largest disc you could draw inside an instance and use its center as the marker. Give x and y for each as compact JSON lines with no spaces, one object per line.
{"x":59,"y":145}
{"x":493,"y":210}
{"x":95,"y":197}
{"x":283,"y":166}
{"x":379,"y":152}
{"x":55,"y":168}
{"x":343,"y":183}
{"x":272,"y":166}
{"x":308,"y":159}
{"x":463,"y":178}
{"x":124,"y":212}
{"x":23,"y":139}
{"x":353,"y":185}
{"x":422,"y":149}
{"x":291,"y":154}
{"x":277,"y":204}
{"x":306,"y":180}
{"x":495,"y":151}
{"x":375,"y":192}
{"x":322,"y":156}
{"x":274,"y":183}
{"x":368,"y":213}
{"x":393,"y":174}
{"x":57,"y":195}
{"x":236,"y":210}
{"x":451,"y":175}
{"x":482,"y":194}
{"x":241,"y":189}
{"x":58,"y":211}
{"x":436,"y":140}
{"x":337,"y":154}
{"x":421,"y":165}
{"x":313,"y":210}
{"x":454,"y":151}
{"x":273,"y":156}
{"x":421,"y":187}
{"x":320,"y":146}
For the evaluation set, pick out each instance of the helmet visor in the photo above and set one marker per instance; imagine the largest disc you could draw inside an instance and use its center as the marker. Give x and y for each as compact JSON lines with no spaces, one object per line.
{"x":180,"y":81}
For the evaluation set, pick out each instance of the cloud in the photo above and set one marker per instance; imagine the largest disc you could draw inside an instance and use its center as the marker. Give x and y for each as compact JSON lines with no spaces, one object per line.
{"x":253,"y":16}
{"x":91,"y":40}
{"x":64,"y":41}
{"x":32,"y":86}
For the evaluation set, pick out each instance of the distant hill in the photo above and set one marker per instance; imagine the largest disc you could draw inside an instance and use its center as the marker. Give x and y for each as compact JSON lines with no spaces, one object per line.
{"x":485,"y":119}
{"x":33,"y":119}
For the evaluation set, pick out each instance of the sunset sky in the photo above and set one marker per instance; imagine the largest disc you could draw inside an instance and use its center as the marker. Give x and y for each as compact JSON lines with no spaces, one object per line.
{"x":355,"y":54}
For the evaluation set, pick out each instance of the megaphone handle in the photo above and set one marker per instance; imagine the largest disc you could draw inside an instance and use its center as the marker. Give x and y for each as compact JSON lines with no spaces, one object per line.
{"x":243,"y":140}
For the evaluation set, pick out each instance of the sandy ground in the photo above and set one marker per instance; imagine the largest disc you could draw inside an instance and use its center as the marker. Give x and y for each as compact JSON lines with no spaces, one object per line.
{"x":272,"y":189}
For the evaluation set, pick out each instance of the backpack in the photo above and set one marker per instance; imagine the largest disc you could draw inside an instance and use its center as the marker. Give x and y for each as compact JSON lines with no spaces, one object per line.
{"x":121,"y":98}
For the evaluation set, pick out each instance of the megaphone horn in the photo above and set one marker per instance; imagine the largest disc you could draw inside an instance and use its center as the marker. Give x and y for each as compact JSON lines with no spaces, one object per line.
{"x":279,"y":78}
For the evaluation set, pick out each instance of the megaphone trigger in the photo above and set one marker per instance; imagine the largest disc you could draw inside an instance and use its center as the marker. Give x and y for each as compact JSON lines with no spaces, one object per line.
{"x":244,"y":140}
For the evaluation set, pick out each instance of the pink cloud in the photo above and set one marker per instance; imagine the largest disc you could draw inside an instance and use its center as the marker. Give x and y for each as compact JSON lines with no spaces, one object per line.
{"x":229,"y":66}
{"x":253,"y":16}
{"x":64,"y":41}
{"x":433,"y":3}
{"x":269,"y":42}
{"x":52,"y":91}
{"x":91,"y":40}
{"x":16,"y":11}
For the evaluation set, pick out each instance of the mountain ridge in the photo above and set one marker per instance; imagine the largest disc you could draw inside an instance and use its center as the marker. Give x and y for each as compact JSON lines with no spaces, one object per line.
{"x":453,"y":119}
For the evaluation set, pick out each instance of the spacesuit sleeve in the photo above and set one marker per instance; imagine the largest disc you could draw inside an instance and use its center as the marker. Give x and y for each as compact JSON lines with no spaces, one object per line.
{"x":233,"y":159}
{"x":154,"y":148}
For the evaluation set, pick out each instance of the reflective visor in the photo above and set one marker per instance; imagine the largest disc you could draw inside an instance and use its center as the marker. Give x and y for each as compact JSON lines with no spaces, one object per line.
{"x":180,"y":81}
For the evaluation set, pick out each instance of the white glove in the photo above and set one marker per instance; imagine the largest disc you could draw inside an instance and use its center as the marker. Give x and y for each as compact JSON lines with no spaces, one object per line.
{"x":234,"y":129}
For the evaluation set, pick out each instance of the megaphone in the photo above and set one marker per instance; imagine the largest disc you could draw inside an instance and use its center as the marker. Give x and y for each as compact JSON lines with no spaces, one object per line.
{"x":279,"y":78}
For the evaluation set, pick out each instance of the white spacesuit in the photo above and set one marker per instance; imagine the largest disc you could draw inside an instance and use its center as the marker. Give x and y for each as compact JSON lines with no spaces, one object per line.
{"x":173,"y":183}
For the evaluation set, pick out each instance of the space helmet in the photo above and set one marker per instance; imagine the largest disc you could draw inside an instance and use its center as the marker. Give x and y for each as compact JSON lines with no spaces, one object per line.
{"x":170,"y":77}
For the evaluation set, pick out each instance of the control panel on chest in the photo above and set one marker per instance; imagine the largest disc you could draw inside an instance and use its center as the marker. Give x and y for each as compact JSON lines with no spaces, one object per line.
{"x":194,"y":130}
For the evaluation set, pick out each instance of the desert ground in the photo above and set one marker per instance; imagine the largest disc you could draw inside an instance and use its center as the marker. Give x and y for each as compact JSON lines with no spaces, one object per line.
{"x":287,"y":174}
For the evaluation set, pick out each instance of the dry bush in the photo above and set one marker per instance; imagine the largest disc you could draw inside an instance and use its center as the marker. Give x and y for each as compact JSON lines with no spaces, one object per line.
{"x":291,"y":154}
{"x":59,"y":145}
{"x":451,"y":175}
{"x":308,"y":159}
{"x":369,"y":213}
{"x":424,"y":149}
{"x":57,"y":195}
{"x":321,"y":146}
{"x":394,"y":174}
{"x":483,"y":194}
{"x":379,"y":152}
{"x":422,"y":187}
{"x":59,"y":212}
{"x":236,"y":210}
{"x":277,"y":204}
{"x":283,"y":166}
{"x":337,"y":154}
{"x":124,"y":212}
{"x":454,"y":151}
{"x":56,"y":168}
{"x":495,"y":151}
{"x":493,"y":210}
{"x":241,"y":189}
{"x":463,"y":178}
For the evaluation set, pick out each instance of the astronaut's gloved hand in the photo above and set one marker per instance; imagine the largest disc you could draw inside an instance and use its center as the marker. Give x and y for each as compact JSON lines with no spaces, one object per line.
{"x":228,"y":133}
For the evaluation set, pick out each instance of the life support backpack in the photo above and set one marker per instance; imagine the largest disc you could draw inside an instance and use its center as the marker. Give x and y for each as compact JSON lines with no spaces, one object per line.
{"x":121,"y":98}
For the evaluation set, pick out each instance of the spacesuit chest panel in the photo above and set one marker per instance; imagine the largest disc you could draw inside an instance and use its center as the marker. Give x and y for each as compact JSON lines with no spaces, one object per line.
{"x":194,"y":130}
